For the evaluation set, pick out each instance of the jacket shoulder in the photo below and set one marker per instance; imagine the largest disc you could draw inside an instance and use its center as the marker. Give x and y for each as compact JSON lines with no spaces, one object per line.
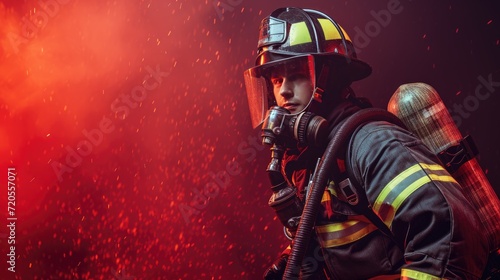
{"x":380,"y":132}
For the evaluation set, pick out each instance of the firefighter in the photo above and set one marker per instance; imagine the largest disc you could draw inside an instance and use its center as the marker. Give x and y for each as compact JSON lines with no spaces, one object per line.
{"x":304,"y":68}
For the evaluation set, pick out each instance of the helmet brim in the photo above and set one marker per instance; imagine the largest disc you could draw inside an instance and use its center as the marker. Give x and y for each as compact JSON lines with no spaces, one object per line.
{"x":357,"y":69}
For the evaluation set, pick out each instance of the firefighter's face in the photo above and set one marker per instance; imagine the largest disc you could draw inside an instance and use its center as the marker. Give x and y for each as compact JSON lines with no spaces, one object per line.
{"x":292,"y":90}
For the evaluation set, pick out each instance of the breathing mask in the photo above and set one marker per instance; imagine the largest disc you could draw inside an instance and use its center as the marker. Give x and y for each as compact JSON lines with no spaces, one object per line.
{"x":284,"y":128}
{"x":278,"y":123}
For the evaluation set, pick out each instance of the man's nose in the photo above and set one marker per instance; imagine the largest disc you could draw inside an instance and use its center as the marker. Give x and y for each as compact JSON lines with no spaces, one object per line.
{"x":286,"y":89}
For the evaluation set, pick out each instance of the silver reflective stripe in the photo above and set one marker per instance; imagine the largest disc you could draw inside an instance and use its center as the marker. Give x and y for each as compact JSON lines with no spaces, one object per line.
{"x":272,"y":31}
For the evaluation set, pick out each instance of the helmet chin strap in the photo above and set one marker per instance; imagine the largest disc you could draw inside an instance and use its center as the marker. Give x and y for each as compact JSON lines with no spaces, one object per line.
{"x":319,"y":90}
{"x":321,"y":83}
{"x":309,"y":128}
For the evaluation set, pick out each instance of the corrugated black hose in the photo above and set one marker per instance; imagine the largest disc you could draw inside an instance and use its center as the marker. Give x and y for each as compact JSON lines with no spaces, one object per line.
{"x":326,"y":167}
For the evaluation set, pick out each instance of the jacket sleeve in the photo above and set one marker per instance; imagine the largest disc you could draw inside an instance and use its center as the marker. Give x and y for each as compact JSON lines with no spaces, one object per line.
{"x":420,"y":202}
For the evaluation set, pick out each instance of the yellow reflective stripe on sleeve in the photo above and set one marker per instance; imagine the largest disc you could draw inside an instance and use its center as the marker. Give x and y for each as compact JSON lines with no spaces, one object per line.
{"x":299,"y":34}
{"x":432,"y":167}
{"x":404,"y":184}
{"x":409,"y":190}
{"x":392,"y":184}
{"x":386,"y":205}
{"x":443,"y":178}
{"x":417,"y":275}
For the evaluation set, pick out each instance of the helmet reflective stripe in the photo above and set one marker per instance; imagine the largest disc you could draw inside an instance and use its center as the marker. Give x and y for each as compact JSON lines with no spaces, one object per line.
{"x":299,"y":34}
{"x":330,"y":31}
{"x":347,"y":38}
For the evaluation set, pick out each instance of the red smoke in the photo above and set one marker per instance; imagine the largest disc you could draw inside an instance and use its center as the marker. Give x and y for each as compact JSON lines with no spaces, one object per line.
{"x":116,"y":117}
{"x":128,"y":126}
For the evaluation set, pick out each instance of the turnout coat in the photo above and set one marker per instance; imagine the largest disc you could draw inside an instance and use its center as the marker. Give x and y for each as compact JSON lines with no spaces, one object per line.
{"x":437,"y":231}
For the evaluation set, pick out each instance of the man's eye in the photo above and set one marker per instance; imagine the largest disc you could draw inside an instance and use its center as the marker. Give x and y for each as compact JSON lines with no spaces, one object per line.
{"x":297,"y":76}
{"x":277,"y":81}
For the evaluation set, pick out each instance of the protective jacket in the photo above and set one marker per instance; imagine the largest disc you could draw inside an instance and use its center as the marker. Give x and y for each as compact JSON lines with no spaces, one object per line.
{"x":437,"y":230}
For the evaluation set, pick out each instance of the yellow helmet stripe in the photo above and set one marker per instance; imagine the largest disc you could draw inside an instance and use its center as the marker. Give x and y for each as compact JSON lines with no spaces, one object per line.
{"x":299,"y":34}
{"x":330,"y":31}
{"x":347,"y":38}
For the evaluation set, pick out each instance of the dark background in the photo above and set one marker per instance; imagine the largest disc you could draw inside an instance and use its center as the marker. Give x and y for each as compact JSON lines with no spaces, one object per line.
{"x":174,"y":186}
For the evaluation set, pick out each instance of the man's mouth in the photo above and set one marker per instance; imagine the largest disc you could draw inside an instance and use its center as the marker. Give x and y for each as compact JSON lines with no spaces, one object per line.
{"x":291,"y":106}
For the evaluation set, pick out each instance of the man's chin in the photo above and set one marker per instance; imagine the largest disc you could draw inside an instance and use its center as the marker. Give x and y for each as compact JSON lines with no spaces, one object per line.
{"x":294,"y":109}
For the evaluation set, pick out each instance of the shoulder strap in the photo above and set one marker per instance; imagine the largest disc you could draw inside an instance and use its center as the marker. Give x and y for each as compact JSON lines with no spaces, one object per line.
{"x":351,"y":190}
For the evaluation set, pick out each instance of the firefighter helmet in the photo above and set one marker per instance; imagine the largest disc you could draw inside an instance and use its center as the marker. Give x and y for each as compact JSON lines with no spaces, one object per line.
{"x":293,"y":35}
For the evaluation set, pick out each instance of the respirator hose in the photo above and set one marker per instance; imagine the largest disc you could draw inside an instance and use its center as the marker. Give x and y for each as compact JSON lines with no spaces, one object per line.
{"x":326,"y":167}
{"x":310,"y":212}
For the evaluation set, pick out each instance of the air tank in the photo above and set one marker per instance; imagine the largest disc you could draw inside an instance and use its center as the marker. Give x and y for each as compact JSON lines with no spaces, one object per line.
{"x":421,"y":109}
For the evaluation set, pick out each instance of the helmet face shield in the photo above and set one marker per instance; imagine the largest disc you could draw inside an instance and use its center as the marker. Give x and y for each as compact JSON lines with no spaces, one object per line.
{"x":261,"y":85}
